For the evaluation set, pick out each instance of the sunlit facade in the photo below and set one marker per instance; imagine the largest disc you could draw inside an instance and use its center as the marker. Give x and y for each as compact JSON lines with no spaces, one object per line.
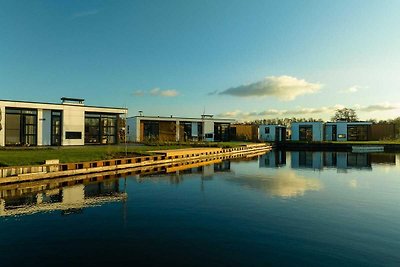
{"x":156,"y":128}
{"x":49,"y":124}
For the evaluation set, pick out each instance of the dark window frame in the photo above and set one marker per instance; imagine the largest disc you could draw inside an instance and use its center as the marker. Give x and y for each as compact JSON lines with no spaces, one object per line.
{"x":101,"y":132}
{"x":306,"y":133}
{"x":25,"y":135}
{"x":56,"y":115}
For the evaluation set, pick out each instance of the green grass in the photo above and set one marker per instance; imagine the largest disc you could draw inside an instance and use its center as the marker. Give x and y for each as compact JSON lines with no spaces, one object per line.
{"x":35,"y":156}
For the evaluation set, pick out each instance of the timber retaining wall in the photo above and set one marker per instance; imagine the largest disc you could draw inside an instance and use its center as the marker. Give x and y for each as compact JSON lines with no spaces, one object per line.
{"x":29,"y":173}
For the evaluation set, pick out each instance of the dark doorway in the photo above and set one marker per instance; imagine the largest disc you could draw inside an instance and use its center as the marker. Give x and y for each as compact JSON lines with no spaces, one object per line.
{"x":334,"y":133}
{"x":305,"y":133}
{"x":221,"y":132}
{"x":56,"y":117}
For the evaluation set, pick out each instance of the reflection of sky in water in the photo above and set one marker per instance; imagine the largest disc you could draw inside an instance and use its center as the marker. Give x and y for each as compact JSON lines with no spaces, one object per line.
{"x":284,"y":183}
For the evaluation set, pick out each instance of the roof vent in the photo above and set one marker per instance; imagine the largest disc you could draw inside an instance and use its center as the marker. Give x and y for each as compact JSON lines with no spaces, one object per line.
{"x":70,"y":100}
{"x":205,"y":116}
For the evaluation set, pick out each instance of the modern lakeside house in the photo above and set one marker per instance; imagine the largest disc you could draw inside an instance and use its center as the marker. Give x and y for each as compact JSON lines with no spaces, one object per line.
{"x":331,"y":131}
{"x":67,"y":123}
{"x":71,"y":122}
{"x":341,"y":131}
{"x":206,"y":128}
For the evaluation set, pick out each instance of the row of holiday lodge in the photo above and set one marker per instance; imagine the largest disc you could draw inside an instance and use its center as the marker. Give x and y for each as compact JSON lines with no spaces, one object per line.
{"x":71,"y":122}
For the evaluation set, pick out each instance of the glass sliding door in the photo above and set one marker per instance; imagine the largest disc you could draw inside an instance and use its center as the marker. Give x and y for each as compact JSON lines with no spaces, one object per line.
{"x":305,"y":133}
{"x":92,"y":129}
{"x":101,"y":128}
{"x":21,"y":127}
{"x":109,"y":129}
{"x":29,"y":124}
{"x":358,"y":133}
{"x":221,"y":132}
{"x":13,"y":129}
{"x":151,"y":130}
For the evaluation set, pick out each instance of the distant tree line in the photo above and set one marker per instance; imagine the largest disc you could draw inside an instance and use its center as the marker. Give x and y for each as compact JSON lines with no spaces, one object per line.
{"x":395,"y":121}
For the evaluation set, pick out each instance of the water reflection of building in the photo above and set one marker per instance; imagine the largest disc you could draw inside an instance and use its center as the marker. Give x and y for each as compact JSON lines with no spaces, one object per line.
{"x":69,"y":199}
{"x":207,"y":169}
{"x":273,"y":159}
{"x":306,"y":159}
{"x":339,"y":160}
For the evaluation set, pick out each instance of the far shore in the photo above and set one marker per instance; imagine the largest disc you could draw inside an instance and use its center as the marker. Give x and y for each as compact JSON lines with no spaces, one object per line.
{"x":389,"y":145}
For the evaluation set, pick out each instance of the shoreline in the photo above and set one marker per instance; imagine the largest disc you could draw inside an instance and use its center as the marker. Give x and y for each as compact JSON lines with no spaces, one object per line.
{"x":337,"y":146}
{"x":169,"y":158}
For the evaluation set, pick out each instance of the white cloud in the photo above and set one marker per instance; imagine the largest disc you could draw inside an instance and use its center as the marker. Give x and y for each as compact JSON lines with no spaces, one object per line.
{"x":138,"y":93}
{"x":156,"y":92}
{"x":353,"y":89}
{"x":325,"y":112}
{"x":164,"y":93}
{"x":285,"y":88}
{"x":379,"y":107}
{"x":316,"y":113}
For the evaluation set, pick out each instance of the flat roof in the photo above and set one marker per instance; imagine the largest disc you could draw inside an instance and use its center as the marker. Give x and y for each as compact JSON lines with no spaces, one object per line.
{"x":276,"y":125}
{"x":349,"y":122}
{"x":60,"y":104}
{"x":306,"y":122}
{"x":182,"y":118}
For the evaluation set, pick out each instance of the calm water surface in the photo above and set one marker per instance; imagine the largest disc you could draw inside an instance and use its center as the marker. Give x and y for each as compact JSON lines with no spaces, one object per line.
{"x":280,"y":209}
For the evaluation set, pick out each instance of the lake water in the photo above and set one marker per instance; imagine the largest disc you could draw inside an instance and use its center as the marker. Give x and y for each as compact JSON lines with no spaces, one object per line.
{"x":279,"y":209}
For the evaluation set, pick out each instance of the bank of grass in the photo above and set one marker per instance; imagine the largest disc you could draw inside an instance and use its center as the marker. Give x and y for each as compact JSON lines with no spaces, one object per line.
{"x":35,"y":156}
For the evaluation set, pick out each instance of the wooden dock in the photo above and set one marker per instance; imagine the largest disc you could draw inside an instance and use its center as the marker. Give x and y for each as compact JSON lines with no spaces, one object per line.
{"x":19,"y":174}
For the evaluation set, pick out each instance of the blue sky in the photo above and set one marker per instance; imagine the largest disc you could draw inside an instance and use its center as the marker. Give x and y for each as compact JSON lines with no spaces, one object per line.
{"x":241,"y":59}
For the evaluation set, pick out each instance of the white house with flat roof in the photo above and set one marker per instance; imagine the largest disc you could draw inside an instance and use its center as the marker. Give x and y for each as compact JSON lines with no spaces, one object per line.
{"x":331,"y":131}
{"x":70,"y":122}
{"x":207,"y":128}
{"x":271,"y":133}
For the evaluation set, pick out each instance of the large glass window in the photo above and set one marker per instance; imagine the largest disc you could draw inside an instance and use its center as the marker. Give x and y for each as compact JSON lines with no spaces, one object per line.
{"x":100,"y":128}
{"x":21,"y":126}
{"x":187,"y":131}
{"x":151,"y":130}
{"x":305,"y":133}
{"x":13,"y":129}
{"x":109,"y":129}
{"x":357,"y":133}
{"x":200,"y":133}
{"x":221,"y":132}
{"x":30,"y":125}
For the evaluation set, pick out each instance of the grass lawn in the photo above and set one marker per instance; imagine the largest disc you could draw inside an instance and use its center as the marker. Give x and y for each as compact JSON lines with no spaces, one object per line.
{"x":34,"y":156}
